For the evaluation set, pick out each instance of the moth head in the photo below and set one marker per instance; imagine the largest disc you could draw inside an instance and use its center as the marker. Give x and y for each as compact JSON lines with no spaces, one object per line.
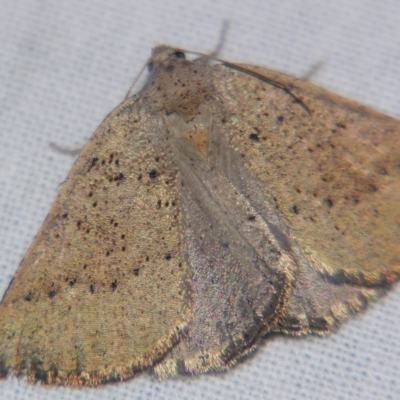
{"x":162,"y":54}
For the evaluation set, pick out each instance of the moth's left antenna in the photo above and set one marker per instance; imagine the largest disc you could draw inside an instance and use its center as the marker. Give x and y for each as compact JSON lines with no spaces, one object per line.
{"x":135,"y":80}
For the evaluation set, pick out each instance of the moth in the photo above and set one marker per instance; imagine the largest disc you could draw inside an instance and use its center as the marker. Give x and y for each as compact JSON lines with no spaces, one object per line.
{"x":219,"y":205}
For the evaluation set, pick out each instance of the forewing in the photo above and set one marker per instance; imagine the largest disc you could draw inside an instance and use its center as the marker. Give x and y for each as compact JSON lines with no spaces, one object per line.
{"x":103,"y":291}
{"x":331,"y":169}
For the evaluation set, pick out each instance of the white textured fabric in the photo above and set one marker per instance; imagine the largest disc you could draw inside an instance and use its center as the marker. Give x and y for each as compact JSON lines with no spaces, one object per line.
{"x":65,"y":65}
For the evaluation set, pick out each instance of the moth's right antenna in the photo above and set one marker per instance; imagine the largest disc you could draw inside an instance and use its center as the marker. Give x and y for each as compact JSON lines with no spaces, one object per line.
{"x":222,"y":39}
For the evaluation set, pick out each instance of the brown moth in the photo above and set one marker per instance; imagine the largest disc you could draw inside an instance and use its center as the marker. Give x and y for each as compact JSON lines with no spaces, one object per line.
{"x":222,"y":203}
